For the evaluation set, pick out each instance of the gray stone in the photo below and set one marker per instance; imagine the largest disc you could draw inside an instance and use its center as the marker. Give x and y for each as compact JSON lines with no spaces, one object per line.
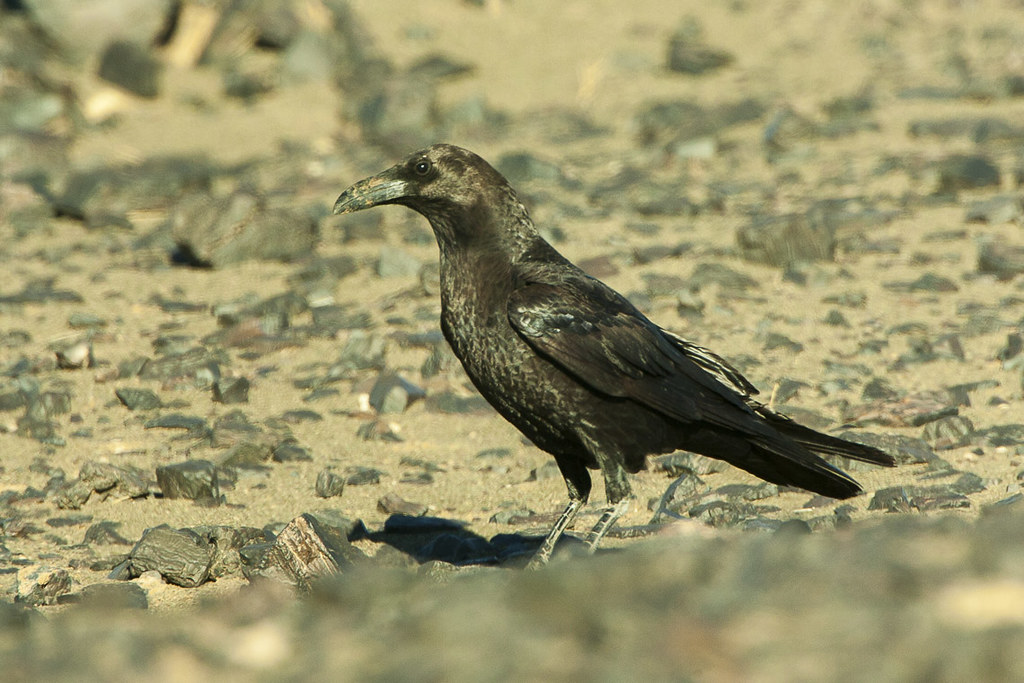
{"x":42,"y":585}
{"x":82,"y":29}
{"x":134,"y":398}
{"x":132,"y":67}
{"x":192,"y":479}
{"x":180,"y":555}
{"x":218,"y":232}
{"x":329,"y":484}
{"x":231,"y":390}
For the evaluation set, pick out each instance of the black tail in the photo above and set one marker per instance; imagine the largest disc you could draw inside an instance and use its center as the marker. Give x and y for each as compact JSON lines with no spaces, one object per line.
{"x":825,"y":444}
{"x":777,"y":458}
{"x":790,"y":464}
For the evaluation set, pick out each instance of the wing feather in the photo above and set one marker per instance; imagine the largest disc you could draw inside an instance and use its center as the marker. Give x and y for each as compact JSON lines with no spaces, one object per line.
{"x":602,"y":340}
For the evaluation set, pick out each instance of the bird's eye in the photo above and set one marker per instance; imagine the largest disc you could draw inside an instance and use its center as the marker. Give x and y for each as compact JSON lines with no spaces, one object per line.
{"x":422,"y":167}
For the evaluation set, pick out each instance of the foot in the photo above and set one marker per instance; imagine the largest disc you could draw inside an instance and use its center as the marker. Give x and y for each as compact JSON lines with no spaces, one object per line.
{"x":611,"y":514}
{"x":548,"y":546}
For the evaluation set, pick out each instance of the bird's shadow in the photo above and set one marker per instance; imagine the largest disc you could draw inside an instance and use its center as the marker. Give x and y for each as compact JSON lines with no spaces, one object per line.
{"x":429,"y":539}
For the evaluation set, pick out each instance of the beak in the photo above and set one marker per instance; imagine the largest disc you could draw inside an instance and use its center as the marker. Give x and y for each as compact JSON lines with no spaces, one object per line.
{"x":372,"y":191}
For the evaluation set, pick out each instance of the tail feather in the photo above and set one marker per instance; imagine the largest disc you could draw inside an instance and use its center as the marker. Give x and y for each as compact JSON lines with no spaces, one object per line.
{"x":806,"y":471}
{"x":825,"y":444}
{"x":775,"y":458}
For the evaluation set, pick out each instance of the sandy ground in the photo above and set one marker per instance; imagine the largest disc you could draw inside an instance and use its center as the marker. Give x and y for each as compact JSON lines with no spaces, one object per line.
{"x":604,"y":58}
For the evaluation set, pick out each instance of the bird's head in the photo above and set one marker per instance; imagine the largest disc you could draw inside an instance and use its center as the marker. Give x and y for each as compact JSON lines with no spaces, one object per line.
{"x":461,"y":195}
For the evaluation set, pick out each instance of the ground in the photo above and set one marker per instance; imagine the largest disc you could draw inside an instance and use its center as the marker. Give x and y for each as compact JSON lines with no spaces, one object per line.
{"x":604,"y":60}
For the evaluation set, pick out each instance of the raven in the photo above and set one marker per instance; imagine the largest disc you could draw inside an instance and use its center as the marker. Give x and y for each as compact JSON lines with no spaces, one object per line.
{"x":573,"y":364}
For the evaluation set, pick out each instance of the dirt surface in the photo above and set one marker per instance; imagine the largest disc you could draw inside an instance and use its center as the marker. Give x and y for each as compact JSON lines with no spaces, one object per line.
{"x":531,"y":61}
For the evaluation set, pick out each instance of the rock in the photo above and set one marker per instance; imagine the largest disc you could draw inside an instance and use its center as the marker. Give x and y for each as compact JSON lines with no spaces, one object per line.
{"x":113,"y":596}
{"x":362,"y":476}
{"x":216,"y":232}
{"x":331,"y":319}
{"x":748,"y":492}
{"x":658,"y":124}
{"x":41,"y":291}
{"x":790,"y":136}
{"x":192,"y":479}
{"x":195,"y":426}
{"x":83,"y":30}
{"x":400,"y":114}
{"x":518,"y":516}
{"x":362,"y":351}
{"x":307,"y":550}
{"x":199,"y":365}
{"x":688,"y":54}
{"x":929,"y":282}
{"x":549,"y":470}
{"x":998,"y":258}
{"x":42,"y":585}
{"x":392,"y":393}
{"x":109,"y":195}
{"x":949,"y":432}
{"x":727,"y":278}
{"x":996,"y":210}
{"x":290,"y":452}
{"x":978,"y":129}
{"x":682,"y":462}
{"x":180,"y":555}
{"x":379,"y":430}
{"x":775,"y":340}
{"x":225,"y":544}
{"x":892,"y":499}
{"x":879,"y":388}
{"x":329,"y":484}
{"x":782,"y":240}
{"x":966,"y":172}
{"x":231,"y":390}
{"x":721,"y":514}
{"x":450,"y":403}
{"x":351,"y":528}
{"x":76,"y":356}
{"x":392,"y":504}
{"x":132,"y":67}
{"x":246,"y":453}
{"x":248,"y":84}
{"x":105,"y":533}
{"x":138,"y":399}
{"x":913,"y":410}
{"x":104,"y":478}
{"x":394,"y":262}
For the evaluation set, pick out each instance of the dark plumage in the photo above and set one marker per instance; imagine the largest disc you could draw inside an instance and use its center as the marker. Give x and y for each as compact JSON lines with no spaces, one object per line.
{"x":571,"y":363}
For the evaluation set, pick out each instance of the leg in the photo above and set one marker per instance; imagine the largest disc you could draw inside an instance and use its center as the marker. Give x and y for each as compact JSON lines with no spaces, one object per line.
{"x":577,"y":480}
{"x":617,"y":490}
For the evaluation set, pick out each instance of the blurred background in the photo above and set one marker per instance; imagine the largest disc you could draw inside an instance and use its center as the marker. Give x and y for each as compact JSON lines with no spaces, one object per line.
{"x":827,"y":194}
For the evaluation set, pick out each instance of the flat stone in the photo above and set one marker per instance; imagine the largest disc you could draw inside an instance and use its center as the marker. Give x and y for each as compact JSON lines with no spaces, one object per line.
{"x":192,"y":479}
{"x":180,"y":555}
{"x":134,"y":398}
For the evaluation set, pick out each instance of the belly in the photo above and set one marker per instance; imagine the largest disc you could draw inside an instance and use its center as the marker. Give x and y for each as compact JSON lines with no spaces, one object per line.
{"x":526,"y":389}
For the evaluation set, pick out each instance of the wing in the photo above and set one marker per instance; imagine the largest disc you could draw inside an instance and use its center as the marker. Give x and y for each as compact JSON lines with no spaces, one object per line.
{"x":598,"y":337}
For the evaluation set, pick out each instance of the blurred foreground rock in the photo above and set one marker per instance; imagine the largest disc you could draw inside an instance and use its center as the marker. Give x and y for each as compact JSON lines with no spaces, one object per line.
{"x":907,"y":598}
